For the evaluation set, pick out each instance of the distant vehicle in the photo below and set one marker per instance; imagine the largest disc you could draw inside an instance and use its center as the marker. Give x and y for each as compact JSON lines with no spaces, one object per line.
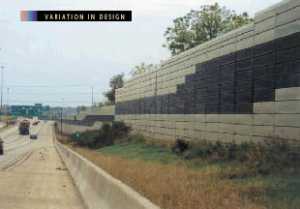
{"x":1,"y":147}
{"x":33,"y":136}
{"x":24,"y":127}
{"x":35,"y":123}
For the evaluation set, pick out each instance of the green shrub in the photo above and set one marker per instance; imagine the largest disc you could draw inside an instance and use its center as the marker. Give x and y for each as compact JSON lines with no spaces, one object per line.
{"x":180,"y":146}
{"x":120,"y":129}
{"x":274,"y":155}
{"x":85,"y":139}
{"x":105,"y":136}
{"x":136,"y":138}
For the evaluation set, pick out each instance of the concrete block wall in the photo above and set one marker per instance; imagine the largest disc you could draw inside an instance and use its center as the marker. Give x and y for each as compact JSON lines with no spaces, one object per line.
{"x":72,"y":128}
{"x":91,"y":119}
{"x":241,"y":86}
{"x":275,"y":22}
{"x":104,"y":110}
{"x":278,"y":119}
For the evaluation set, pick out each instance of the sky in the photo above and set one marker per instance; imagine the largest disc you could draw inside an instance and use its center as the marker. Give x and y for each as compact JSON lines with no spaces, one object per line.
{"x":59,"y":64}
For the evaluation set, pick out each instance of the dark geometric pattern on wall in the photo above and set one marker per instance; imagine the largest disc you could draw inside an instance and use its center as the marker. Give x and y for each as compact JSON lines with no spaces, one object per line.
{"x":229,"y":84}
{"x":89,"y":120}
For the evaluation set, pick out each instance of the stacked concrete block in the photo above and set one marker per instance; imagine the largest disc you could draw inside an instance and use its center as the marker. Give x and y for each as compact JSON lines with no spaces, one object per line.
{"x":242,"y":86}
{"x":278,"y":119}
{"x":71,"y":128}
{"x":287,"y":113}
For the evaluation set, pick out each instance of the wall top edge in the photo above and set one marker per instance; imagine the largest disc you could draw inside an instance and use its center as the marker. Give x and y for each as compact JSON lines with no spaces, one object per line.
{"x":275,"y":9}
{"x":225,"y":37}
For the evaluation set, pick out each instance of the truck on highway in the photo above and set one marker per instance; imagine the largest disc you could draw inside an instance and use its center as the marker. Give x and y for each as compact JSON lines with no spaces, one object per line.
{"x":24,"y":127}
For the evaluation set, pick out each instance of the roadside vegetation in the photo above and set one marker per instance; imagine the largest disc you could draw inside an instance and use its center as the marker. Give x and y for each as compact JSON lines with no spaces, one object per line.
{"x":206,"y":175}
{"x":8,"y":121}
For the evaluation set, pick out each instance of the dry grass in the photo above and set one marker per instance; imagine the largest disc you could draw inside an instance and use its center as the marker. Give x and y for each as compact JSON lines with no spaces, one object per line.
{"x":173,"y":186}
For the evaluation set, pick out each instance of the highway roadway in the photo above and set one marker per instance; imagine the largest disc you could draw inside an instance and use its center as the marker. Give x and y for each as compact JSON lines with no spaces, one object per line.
{"x":32,"y":175}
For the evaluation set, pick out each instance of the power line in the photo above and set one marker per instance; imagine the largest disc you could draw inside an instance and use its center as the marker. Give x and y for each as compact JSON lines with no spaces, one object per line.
{"x":2,"y":68}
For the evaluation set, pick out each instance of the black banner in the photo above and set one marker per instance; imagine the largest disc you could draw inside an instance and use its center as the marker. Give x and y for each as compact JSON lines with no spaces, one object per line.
{"x":77,"y":16}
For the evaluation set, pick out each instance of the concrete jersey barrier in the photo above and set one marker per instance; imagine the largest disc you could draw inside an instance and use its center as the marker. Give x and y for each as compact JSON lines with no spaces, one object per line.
{"x":99,"y":190}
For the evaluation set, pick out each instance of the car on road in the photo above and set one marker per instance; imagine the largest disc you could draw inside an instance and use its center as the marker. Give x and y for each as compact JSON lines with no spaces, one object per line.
{"x":1,"y":147}
{"x":33,"y":136}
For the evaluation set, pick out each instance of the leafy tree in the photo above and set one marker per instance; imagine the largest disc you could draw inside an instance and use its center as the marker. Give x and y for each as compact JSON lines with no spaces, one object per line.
{"x":199,"y":26}
{"x":142,"y":68}
{"x":180,"y":37}
{"x":101,"y":104}
{"x":239,"y":21}
{"x":116,"y":82}
{"x":81,"y":108}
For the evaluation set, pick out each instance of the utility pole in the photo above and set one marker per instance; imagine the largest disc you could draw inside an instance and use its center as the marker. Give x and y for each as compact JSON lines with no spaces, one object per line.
{"x":61,"y":121}
{"x":61,"y":118}
{"x":1,"y":105}
{"x":7,"y":102}
{"x":92,"y":96}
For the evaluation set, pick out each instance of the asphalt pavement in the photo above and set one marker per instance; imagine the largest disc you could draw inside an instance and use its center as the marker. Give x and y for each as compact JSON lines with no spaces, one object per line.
{"x":32,"y":175}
